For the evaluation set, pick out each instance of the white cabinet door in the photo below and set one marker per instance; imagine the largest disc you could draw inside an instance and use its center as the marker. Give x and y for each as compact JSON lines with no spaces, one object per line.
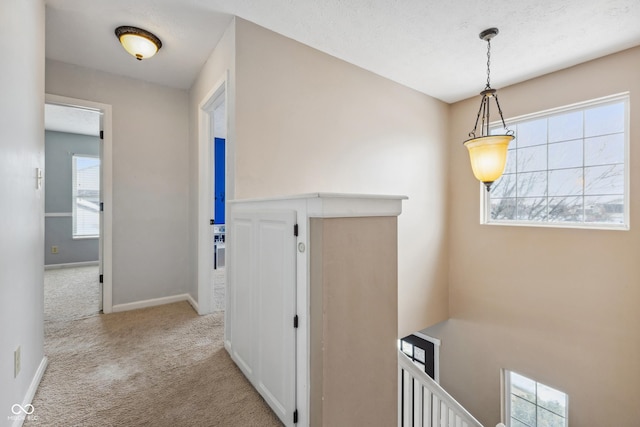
{"x":263,"y":287}
{"x":242,"y":290}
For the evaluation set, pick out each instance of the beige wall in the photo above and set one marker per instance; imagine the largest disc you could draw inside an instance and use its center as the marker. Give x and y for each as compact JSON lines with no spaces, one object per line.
{"x":22,"y":207}
{"x":354,"y":315}
{"x":558,"y":305}
{"x":308,"y":122}
{"x":150,"y":178}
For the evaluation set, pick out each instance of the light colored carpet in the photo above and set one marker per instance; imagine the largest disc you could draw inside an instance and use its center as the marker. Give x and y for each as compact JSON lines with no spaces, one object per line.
{"x":160,"y":366}
{"x":71,"y":293}
{"x":219,"y":289}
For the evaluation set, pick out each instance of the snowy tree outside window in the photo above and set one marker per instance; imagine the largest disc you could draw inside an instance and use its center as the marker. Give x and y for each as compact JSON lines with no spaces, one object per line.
{"x":566,"y":167}
{"x":532,"y":404}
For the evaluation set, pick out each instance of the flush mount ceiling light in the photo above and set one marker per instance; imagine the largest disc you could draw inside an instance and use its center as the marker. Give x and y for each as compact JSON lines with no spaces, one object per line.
{"x":138,"y":42}
{"x":488,"y":153}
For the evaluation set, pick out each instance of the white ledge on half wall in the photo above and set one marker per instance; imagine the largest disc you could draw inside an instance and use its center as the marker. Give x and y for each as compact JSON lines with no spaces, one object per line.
{"x":331,"y":205}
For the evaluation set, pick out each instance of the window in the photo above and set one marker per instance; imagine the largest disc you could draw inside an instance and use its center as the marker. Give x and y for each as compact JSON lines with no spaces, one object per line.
{"x":532,"y":404}
{"x":424,"y":351}
{"x":567,"y":167}
{"x":86,"y":196}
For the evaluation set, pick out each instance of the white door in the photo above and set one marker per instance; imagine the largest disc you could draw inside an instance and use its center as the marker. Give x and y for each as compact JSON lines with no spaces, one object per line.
{"x":240,"y":327}
{"x":262,"y":283}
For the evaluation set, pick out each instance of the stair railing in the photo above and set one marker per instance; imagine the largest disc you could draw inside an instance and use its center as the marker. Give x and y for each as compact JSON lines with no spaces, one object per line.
{"x":424,"y":403}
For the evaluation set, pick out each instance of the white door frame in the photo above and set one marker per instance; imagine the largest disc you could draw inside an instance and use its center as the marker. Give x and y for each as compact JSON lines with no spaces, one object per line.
{"x":206,"y":108}
{"x":106,"y":196}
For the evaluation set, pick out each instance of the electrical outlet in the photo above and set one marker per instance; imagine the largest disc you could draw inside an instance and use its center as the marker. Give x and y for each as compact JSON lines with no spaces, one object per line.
{"x":54,"y":249}
{"x":16,"y":362}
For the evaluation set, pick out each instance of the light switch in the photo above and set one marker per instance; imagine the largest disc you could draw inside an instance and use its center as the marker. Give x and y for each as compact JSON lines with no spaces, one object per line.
{"x":38,"y":178}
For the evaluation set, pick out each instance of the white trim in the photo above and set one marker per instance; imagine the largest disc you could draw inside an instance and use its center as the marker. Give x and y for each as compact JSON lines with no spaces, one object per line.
{"x":152,"y":302}
{"x":205,"y":179}
{"x":574,"y":225}
{"x":57,"y":214}
{"x":70,"y":265}
{"x":333,"y":205}
{"x":107,"y":186}
{"x":506,"y":375}
{"x":193,"y":303}
{"x":504,"y":392}
{"x":33,"y":387}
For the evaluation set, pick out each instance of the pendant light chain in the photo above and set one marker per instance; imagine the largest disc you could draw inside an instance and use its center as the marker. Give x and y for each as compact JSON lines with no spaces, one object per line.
{"x":488,"y":64}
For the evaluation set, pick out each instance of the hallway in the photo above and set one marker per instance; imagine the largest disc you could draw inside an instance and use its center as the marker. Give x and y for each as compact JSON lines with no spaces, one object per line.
{"x":161,"y":366}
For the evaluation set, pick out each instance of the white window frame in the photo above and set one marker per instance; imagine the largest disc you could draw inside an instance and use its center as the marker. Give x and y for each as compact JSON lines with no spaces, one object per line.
{"x":485,"y":207}
{"x":74,"y":236}
{"x":506,"y":396}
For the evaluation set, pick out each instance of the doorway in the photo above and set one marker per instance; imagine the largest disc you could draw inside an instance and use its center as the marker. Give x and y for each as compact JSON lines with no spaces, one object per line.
{"x":78,"y":194}
{"x":218,"y":163}
{"x":213,"y":153}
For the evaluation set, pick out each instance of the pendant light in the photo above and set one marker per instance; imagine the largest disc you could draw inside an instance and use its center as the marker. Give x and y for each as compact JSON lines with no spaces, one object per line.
{"x":141,"y":44}
{"x":488,"y":153}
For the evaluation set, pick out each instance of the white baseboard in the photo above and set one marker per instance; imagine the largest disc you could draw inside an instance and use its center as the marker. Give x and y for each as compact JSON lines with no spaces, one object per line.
{"x":70,"y":265}
{"x":153,"y":302}
{"x":31,"y":391}
{"x":193,"y":303}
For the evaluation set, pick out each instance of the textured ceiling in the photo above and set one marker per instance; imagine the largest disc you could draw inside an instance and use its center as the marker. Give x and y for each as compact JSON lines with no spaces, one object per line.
{"x":71,"y":120}
{"x":429,"y":45}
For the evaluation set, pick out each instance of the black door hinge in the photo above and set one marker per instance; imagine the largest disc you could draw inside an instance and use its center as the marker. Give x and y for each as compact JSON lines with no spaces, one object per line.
{"x":101,"y":134}
{"x":295,"y":230}
{"x":295,"y":416}
{"x":102,"y":278}
{"x":295,"y":321}
{"x":212,"y":221}
{"x":101,"y":206}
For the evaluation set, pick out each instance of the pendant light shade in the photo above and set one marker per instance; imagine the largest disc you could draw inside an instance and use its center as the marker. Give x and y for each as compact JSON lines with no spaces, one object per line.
{"x":488,"y":153}
{"x":488,"y":157}
{"x":140,"y":43}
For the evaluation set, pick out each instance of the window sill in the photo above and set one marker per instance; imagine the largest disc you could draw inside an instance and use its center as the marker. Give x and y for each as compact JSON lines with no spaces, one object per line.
{"x":594,"y":226}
